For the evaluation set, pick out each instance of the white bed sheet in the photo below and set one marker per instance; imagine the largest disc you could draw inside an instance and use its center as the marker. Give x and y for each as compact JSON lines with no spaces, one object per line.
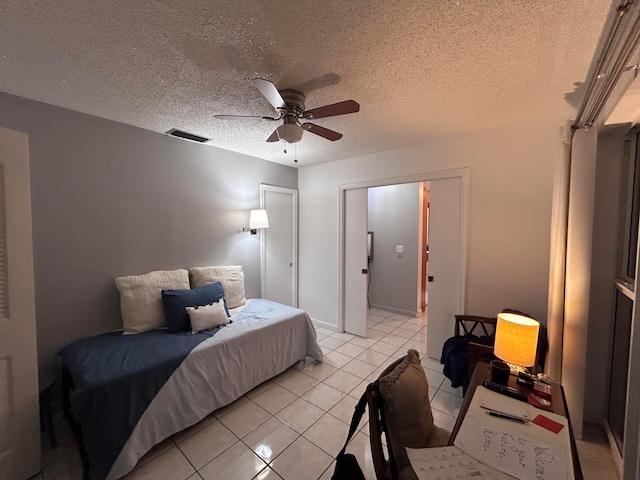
{"x":241,"y":356}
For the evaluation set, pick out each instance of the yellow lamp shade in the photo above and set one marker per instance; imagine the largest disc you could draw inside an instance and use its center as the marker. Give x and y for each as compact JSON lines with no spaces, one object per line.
{"x":516,"y":339}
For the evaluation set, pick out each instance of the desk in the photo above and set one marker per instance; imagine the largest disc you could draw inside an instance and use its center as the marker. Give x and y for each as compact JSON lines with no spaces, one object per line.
{"x":482,"y":372}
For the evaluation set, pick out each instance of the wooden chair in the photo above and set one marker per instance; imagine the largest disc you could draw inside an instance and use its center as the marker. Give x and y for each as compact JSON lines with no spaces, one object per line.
{"x":382,"y":461}
{"x":408,"y":408}
{"x":481,"y":327}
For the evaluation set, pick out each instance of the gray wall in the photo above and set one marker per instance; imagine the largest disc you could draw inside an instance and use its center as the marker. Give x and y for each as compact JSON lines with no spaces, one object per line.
{"x":109,"y":199}
{"x":394,"y":213}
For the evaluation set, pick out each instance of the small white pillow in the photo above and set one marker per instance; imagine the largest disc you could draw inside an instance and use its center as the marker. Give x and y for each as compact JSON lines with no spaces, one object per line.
{"x":207,"y":317}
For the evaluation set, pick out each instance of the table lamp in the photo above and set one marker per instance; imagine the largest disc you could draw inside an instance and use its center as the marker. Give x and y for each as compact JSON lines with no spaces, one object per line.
{"x":516,"y":340}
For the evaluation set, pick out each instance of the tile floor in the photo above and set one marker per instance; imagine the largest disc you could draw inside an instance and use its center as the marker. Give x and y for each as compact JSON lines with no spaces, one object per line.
{"x":292,"y":426}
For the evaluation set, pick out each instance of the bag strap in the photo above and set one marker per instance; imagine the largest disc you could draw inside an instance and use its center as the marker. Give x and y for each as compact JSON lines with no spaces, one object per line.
{"x":355,"y":420}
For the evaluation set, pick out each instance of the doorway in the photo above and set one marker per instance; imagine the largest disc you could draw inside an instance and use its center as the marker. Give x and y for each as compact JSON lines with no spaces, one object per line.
{"x":450,"y":199}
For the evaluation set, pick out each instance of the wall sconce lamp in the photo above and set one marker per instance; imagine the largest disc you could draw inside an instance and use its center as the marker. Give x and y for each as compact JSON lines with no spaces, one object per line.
{"x":257,"y":219}
{"x":516,"y":339}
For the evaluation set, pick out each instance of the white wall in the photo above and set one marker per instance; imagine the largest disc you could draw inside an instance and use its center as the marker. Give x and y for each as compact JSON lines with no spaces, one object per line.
{"x":394,"y":217}
{"x":511,"y":177}
{"x":579,"y":245}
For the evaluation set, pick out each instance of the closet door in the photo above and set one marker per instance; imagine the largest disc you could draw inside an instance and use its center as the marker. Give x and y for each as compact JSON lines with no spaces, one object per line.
{"x":279,"y":252}
{"x":19,"y":425}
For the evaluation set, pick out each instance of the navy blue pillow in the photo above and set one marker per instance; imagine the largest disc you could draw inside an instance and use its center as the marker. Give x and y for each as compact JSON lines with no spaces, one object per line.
{"x":175,"y":303}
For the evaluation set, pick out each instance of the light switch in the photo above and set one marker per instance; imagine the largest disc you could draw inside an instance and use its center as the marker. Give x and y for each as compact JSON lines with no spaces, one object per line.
{"x":399,"y":248}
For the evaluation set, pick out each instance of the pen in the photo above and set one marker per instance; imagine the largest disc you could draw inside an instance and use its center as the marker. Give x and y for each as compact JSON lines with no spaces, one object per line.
{"x":508,"y":417}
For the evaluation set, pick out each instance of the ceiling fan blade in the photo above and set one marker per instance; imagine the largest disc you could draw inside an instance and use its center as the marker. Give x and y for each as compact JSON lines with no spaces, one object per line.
{"x":340,"y":108}
{"x":241,"y":117}
{"x":270,"y":92}
{"x":323,"y":132}
{"x":274,"y":136}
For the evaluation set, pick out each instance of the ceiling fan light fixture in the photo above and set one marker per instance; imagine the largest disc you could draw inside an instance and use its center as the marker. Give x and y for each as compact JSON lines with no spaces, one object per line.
{"x":289,"y":133}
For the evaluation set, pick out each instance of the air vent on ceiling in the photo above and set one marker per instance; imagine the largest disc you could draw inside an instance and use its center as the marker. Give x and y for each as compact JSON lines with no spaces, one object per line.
{"x":174,"y":132}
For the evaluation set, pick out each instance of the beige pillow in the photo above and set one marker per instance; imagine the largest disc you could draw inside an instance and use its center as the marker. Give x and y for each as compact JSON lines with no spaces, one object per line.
{"x":207,"y":317}
{"x":141,"y":298}
{"x":231,"y":277}
{"x":405,"y":394}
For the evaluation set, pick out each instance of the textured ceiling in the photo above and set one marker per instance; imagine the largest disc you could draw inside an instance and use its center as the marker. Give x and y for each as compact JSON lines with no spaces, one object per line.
{"x":418,"y":68}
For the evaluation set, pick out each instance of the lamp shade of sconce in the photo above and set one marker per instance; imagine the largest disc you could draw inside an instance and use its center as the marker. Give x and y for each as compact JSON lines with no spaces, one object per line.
{"x":257,"y":219}
{"x":516,"y":339}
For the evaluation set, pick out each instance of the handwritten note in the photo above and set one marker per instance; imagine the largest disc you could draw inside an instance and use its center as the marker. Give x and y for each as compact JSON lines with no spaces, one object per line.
{"x":510,"y":451}
{"x":449,"y":463}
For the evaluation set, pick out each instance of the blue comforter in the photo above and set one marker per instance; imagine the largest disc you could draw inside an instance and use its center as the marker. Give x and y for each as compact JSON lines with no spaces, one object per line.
{"x":114,"y":374}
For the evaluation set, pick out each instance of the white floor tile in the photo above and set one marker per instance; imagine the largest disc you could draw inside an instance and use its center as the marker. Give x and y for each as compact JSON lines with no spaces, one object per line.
{"x":245,"y":418}
{"x":350,"y":349}
{"x":290,"y":467}
{"x":275,"y":399}
{"x":171,"y":465}
{"x":383,"y":347}
{"x":238,"y":463}
{"x":300,"y":415}
{"x":447,"y":403}
{"x":299,"y":383}
{"x":343,"y":410}
{"x":270,"y":439}
{"x":328,"y":433}
{"x":267,"y":474}
{"x":206,"y":444}
{"x":320,"y":370}
{"x":331,"y":342}
{"x":374,"y":358}
{"x":359,"y":368}
{"x":324,"y":396}
{"x":343,"y":381}
{"x":337,"y":359}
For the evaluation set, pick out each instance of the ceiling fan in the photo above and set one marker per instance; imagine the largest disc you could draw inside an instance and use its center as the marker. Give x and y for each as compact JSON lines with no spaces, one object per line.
{"x":290,"y":107}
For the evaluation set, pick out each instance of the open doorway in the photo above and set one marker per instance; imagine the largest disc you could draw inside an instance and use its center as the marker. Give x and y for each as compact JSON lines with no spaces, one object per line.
{"x":397,"y":222}
{"x":448,"y":204}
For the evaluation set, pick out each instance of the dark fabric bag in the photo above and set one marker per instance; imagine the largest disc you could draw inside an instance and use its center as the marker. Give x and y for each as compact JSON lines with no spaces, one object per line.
{"x":347,"y":467}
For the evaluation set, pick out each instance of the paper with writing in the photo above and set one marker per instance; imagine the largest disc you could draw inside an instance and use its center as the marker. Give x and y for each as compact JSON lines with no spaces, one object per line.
{"x":510,"y":451}
{"x":449,"y":463}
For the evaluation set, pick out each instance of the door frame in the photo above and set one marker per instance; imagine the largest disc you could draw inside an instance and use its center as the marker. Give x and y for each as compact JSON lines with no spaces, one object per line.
{"x":462,"y":173}
{"x":264,"y":188}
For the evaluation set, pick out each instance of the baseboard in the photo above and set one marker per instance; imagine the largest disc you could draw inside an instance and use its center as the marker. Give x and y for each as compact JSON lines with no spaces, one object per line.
{"x":328,"y":326}
{"x":407,"y":313}
{"x":613,"y":447}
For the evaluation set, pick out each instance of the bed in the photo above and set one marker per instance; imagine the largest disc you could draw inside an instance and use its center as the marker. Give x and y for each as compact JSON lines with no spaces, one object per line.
{"x":126,"y":393}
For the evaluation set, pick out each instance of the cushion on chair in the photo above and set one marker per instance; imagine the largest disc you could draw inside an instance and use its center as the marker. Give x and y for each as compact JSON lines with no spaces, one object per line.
{"x":405,"y":394}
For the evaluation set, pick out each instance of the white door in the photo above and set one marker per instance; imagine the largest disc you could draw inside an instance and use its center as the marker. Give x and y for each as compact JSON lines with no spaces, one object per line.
{"x":445,"y":261}
{"x":355,"y":261}
{"x":19,"y":422}
{"x":279,"y":251}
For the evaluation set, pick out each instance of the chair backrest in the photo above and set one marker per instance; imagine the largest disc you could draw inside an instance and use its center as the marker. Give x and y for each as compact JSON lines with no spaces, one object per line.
{"x":377,"y":428}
